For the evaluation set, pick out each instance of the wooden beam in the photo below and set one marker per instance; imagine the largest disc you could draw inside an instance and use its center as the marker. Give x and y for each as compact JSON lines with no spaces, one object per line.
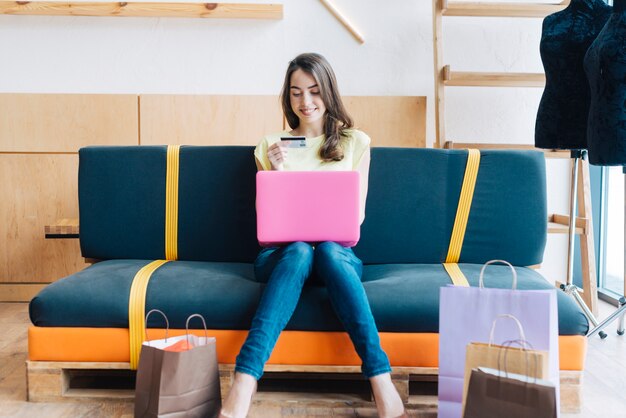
{"x":343,"y":20}
{"x":49,"y":382}
{"x":138,"y":9}
{"x":440,"y":125}
{"x":456,"y":8}
{"x":587,"y":248}
{"x":492,"y":79}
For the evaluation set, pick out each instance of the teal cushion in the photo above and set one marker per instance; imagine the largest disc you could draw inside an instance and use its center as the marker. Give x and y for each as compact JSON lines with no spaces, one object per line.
{"x":411,"y":205}
{"x":403,"y":297}
{"x":412,"y":202}
{"x":121,"y":192}
{"x":122,"y":203}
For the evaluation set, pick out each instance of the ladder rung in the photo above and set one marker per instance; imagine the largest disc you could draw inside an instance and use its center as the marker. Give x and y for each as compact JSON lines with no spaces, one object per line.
{"x":488,"y":79}
{"x":456,"y":8}
{"x":549,"y":153}
{"x":559,"y":224}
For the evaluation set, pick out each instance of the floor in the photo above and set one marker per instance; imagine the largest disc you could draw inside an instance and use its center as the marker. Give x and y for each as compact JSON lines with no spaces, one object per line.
{"x":604,"y":387}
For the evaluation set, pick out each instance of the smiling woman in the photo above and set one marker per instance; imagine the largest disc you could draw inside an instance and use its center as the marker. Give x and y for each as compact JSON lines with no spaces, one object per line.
{"x":314,"y":109}
{"x":312,"y":105}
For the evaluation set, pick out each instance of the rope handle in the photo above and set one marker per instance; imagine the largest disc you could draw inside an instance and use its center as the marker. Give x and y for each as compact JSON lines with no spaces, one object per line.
{"x":167,"y":324}
{"x":506,"y":316}
{"x":526,"y":347}
{"x":482,"y":272}
{"x":206,"y":336}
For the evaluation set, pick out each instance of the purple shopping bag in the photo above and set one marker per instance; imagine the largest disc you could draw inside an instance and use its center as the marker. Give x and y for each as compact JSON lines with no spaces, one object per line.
{"x":466,"y":315}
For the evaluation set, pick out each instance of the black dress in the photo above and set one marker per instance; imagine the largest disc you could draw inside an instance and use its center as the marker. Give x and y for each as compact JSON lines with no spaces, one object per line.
{"x":564,"y":107}
{"x":605,"y":64}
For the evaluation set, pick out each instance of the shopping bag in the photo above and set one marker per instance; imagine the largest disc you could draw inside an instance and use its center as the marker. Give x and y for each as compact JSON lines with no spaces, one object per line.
{"x":466,"y":315}
{"x":178,"y":377}
{"x":523,"y":360}
{"x":496,"y":394}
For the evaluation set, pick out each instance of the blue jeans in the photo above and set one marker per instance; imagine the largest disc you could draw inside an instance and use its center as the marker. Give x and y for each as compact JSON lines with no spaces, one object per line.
{"x":286,"y":269}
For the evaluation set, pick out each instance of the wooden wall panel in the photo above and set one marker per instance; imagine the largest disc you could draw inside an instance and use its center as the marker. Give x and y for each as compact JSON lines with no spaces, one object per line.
{"x":243,"y":120}
{"x":391,"y":121}
{"x":37,"y":189}
{"x":66,"y":122}
{"x":208,"y":120}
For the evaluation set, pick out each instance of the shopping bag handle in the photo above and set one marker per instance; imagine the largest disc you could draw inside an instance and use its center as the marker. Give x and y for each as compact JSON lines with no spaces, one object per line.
{"x":481,"y":283}
{"x":167,"y":324}
{"x":526,"y":346}
{"x":206,"y":336}
{"x":507,"y":316}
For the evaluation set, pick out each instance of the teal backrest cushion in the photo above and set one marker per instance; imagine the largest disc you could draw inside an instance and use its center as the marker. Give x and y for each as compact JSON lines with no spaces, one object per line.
{"x":122,"y":203}
{"x":411,"y":205}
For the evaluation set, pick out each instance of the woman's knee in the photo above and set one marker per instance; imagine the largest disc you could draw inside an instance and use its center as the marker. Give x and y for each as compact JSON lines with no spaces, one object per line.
{"x":329,"y":249}
{"x":328,"y":254}
{"x":300,"y":252}
{"x":331,"y":252}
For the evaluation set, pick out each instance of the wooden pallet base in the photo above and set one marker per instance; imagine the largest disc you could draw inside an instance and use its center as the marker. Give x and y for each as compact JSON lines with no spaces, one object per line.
{"x":294,"y":390}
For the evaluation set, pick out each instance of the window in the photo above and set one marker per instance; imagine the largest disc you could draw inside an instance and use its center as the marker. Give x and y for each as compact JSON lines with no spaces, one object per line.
{"x":611,"y":257}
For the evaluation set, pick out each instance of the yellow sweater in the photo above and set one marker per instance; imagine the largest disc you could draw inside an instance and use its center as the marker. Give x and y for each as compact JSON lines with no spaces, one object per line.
{"x":308,"y":159}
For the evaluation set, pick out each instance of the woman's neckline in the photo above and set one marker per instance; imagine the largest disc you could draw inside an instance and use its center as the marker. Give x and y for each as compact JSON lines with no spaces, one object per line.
{"x":308,"y":137}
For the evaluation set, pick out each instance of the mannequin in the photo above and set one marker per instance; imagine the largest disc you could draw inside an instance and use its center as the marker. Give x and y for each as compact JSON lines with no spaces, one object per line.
{"x":605,"y":64}
{"x":564,"y":107}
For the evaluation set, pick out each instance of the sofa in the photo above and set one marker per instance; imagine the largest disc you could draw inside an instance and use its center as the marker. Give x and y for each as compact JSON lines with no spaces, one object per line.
{"x":411,"y":208}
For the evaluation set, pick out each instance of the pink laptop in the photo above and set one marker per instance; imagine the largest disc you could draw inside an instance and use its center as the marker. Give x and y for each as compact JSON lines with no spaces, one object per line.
{"x":309,"y":206}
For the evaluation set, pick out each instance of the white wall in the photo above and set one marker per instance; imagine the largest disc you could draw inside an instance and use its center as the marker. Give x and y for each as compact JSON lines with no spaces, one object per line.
{"x":217,"y":56}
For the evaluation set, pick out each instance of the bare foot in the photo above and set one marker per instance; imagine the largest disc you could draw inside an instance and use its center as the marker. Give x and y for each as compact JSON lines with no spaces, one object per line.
{"x":388,"y":401}
{"x":239,"y":398}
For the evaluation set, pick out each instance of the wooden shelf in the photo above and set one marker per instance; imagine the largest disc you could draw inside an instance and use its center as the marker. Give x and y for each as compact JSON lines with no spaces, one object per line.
{"x":137,"y":9}
{"x":455,"y":8}
{"x":482,"y":79}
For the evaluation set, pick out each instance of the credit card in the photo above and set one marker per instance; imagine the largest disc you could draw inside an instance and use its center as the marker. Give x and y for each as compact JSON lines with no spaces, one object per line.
{"x":293,"y":141}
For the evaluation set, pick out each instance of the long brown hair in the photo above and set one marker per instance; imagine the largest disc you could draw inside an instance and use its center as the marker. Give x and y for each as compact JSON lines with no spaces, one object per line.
{"x":336,"y":118}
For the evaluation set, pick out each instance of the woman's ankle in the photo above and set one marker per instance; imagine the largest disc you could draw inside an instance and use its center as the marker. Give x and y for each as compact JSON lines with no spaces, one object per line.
{"x":237,"y":403}
{"x":386,"y":396}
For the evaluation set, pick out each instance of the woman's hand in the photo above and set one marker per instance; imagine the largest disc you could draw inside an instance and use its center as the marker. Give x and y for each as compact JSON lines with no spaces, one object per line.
{"x":277,"y":156}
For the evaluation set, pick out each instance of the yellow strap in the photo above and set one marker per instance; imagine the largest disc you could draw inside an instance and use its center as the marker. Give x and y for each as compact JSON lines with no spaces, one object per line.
{"x":137,"y":309}
{"x":171,"y":203}
{"x":460,"y":222}
{"x":137,"y":299}
{"x":455,"y":273}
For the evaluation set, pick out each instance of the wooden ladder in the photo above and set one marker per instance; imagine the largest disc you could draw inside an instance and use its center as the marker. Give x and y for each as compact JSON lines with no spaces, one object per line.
{"x":446,"y":77}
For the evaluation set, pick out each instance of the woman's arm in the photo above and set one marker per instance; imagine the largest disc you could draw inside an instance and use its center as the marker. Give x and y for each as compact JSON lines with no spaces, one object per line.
{"x":363,"y":169}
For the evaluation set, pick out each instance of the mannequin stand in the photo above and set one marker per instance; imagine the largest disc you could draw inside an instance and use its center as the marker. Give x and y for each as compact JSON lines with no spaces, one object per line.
{"x":621,"y":310}
{"x":569,"y":287}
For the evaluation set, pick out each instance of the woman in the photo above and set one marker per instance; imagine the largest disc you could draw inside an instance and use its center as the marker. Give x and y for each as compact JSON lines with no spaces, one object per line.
{"x":313,"y":108}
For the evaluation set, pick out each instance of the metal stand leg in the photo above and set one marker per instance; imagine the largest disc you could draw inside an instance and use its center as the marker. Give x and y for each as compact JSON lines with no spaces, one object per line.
{"x":569,"y":287}
{"x":619,"y":313}
{"x":621,"y":310}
